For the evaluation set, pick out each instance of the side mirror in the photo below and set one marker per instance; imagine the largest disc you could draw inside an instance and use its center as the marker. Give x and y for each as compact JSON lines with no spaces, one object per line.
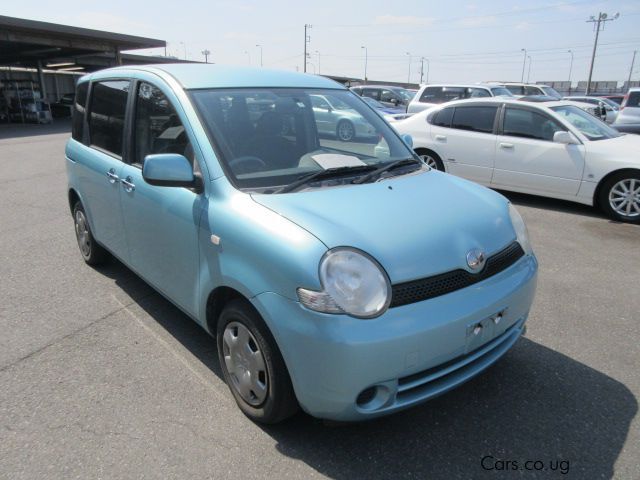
{"x":565,"y":137}
{"x":170,"y":170}
{"x":408,"y":139}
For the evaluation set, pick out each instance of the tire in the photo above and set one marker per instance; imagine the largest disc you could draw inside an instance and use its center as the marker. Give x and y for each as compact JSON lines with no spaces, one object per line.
{"x":253,"y":367}
{"x":619,"y":197}
{"x":431,"y":158}
{"x":92,"y":253}
{"x":345,"y":131}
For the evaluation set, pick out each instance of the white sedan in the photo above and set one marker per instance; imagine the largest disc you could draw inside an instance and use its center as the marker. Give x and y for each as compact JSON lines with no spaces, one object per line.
{"x":553,"y":149}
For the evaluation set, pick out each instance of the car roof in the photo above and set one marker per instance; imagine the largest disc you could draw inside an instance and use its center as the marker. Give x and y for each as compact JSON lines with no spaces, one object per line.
{"x":462,"y":85}
{"x":509,"y":101}
{"x":380,"y":86}
{"x":516,"y":84}
{"x":200,"y":75}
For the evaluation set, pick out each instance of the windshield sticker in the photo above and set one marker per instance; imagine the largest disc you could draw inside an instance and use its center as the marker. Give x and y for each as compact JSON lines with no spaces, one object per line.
{"x":335,"y":160}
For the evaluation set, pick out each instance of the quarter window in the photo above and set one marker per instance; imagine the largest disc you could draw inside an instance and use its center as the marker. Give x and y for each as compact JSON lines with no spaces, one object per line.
{"x":443,"y":117}
{"x":78,"y":111}
{"x":477,"y":93}
{"x":529,"y":124}
{"x":533,"y":91}
{"x":107,"y":112}
{"x":476,"y":119}
{"x":158,"y":127}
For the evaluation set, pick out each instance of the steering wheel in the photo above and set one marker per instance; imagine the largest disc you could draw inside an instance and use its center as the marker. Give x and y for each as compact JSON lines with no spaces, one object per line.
{"x":247,"y":164}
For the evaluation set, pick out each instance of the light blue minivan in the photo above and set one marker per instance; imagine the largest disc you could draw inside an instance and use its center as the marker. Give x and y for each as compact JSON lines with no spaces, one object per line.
{"x":338,"y":273}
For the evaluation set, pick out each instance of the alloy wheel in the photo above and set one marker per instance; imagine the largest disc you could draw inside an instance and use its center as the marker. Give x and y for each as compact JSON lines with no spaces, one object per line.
{"x":624,"y":198}
{"x":82,"y":233}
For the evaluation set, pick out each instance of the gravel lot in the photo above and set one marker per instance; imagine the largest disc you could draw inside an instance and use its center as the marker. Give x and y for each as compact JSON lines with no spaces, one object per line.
{"x":100,"y":377}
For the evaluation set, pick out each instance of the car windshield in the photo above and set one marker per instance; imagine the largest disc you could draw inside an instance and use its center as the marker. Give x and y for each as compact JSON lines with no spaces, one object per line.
{"x":268,"y":138}
{"x":589,"y":126}
{"x":405,"y":94}
{"x":501,"y":92}
{"x":551,"y":92}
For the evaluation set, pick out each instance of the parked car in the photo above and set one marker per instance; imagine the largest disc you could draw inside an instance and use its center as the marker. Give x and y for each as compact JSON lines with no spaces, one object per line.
{"x":553,"y":149}
{"x":527,"y":89}
{"x":389,"y":114}
{"x":303,"y":255}
{"x":389,"y":96}
{"x":335,"y":117}
{"x":614,"y":98}
{"x":431,"y":95}
{"x":608,"y":108}
{"x":594,"y":110}
{"x":630,"y":108}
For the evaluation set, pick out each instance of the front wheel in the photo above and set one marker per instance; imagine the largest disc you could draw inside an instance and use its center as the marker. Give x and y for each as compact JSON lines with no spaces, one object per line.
{"x":345,"y":131}
{"x":253,"y":366}
{"x":620,"y":197}
{"x":431,"y":158}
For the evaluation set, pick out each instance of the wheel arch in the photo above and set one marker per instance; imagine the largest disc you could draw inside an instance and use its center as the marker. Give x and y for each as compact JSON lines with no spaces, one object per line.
{"x":217,"y":299}
{"x":426,"y":150}
{"x":73,"y":199}
{"x":603,"y":180}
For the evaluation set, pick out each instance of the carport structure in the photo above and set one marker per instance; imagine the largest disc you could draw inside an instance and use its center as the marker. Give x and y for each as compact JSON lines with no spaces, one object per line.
{"x":39,"y":45}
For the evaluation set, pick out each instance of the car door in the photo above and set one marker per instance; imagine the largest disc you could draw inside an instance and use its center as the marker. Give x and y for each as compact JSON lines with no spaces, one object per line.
{"x":470,"y":142}
{"x":101,"y":166}
{"x":161,"y":222}
{"x":528,"y":159}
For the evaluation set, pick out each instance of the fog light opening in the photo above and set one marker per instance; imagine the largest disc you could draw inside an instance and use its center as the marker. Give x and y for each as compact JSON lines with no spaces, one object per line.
{"x":373,"y":398}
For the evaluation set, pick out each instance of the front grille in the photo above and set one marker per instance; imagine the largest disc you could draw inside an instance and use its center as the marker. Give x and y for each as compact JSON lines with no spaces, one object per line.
{"x":430,"y":287}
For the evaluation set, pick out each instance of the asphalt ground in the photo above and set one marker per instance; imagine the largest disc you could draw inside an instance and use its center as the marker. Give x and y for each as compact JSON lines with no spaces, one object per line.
{"x":100,"y":377}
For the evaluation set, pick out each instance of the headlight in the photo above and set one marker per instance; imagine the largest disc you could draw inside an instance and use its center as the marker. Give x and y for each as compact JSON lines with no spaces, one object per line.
{"x":522,"y":235}
{"x":352,"y":283}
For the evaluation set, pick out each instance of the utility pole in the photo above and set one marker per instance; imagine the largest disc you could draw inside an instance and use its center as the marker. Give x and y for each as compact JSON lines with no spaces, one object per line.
{"x":260,"y":47}
{"x":524,"y":62}
{"x":307,"y":39}
{"x":601,"y":20}
{"x":421,"y":69}
{"x":529,"y":70}
{"x":633,"y":61}
{"x":409,"y":75}
{"x":206,"y":54}
{"x":366,"y":55}
{"x":570,"y":68}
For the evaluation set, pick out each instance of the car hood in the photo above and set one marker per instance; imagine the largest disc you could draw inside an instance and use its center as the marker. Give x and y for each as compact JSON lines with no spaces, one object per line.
{"x":415,"y":225}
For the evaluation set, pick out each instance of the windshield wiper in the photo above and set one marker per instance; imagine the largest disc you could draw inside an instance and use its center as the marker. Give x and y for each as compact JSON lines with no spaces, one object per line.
{"x":385,"y":168}
{"x":324,"y":174}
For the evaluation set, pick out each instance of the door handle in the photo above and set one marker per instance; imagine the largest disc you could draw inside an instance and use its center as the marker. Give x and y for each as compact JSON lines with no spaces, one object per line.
{"x":441,"y":138}
{"x":128,"y":186}
{"x":111,"y":175}
{"x":506,"y":145}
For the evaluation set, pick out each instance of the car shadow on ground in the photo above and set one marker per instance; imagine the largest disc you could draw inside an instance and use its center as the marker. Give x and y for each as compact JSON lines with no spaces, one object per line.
{"x":534,"y":405}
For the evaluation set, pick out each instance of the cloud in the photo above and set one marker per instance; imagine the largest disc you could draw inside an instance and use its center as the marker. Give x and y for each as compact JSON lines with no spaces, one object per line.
{"x":403,"y":20}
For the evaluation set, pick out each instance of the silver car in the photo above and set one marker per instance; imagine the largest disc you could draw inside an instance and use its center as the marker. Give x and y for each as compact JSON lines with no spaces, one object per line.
{"x":335,"y":118}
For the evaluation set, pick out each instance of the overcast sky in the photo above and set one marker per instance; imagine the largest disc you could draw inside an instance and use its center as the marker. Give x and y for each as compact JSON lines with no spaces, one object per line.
{"x":464,"y":41}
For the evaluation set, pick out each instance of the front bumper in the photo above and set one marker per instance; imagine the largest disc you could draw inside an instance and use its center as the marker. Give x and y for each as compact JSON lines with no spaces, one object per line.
{"x":409,"y":355}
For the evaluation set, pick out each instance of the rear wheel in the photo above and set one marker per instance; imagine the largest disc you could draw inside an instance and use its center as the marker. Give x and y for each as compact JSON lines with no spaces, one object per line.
{"x":620,"y":197}
{"x":253,"y":366}
{"x":92,"y":253}
{"x":431,"y":158}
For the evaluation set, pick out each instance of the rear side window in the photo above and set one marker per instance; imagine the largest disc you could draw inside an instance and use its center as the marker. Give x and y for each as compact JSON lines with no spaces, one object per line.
{"x":443,"y":117}
{"x":371,"y":93}
{"x":476,"y":119}
{"x":77,"y":123}
{"x":634,"y":100}
{"x":528,"y":124}
{"x":106,"y":115}
{"x":533,"y":91}
{"x":477,"y":93}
